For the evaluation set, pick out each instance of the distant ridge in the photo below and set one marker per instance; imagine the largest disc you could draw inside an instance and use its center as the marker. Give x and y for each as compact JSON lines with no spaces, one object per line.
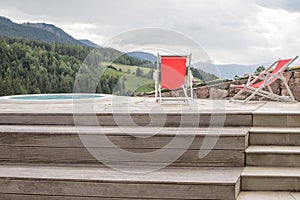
{"x":228,"y":71}
{"x":89,"y":43}
{"x":36,"y":31}
{"x":143,"y":56}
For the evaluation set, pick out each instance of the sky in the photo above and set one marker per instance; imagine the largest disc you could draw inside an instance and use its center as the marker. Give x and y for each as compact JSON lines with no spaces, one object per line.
{"x":231,"y":31}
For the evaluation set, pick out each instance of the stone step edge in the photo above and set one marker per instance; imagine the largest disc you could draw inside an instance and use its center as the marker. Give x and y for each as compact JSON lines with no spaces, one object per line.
{"x":102,"y":174}
{"x":260,"y":195}
{"x":270,"y":172}
{"x":277,"y":130}
{"x":113,"y":130}
{"x":271,"y":149}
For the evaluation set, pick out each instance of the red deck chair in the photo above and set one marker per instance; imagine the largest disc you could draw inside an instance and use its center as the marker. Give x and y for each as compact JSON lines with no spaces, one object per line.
{"x":171,"y":75}
{"x":256,"y":84}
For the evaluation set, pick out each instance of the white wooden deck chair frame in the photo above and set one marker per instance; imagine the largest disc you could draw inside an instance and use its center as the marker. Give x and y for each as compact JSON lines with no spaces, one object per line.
{"x":187,"y":86}
{"x":267,"y":78}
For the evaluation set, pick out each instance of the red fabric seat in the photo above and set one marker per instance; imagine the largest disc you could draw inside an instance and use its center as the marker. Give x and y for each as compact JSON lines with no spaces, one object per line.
{"x":173,"y":72}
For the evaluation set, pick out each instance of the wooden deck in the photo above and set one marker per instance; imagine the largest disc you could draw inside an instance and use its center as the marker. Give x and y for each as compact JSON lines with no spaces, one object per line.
{"x":43,"y":154}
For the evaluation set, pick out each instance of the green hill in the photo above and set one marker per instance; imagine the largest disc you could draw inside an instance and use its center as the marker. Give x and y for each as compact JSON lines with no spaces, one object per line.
{"x":28,"y":67}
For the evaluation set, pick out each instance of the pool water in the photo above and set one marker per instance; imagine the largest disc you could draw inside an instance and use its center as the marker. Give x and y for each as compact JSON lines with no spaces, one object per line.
{"x":56,"y":97}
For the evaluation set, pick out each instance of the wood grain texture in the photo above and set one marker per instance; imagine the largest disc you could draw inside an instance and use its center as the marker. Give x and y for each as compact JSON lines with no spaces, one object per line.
{"x":236,"y":139}
{"x":175,"y":183}
{"x":110,"y":190}
{"x":81,"y":155}
{"x":59,"y":197}
{"x":109,"y":119}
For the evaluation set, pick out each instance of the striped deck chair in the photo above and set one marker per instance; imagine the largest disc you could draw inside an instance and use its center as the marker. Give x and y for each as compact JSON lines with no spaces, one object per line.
{"x":256,"y":85}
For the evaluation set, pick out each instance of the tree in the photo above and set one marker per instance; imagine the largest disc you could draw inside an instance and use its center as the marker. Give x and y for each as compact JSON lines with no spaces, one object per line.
{"x":259,"y":69}
{"x":236,"y":77}
{"x":150,"y":74}
{"x":139,"y":72}
{"x":28,"y":66}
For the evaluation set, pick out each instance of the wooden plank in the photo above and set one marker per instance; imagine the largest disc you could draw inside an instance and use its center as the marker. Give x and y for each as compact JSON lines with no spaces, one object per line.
{"x":293,"y":120}
{"x":81,"y":155}
{"x":111,"y":190}
{"x":275,"y":136}
{"x":36,"y":118}
{"x":184,"y":175}
{"x":239,"y":120}
{"x":113,"y":130}
{"x":270,"y":120}
{"x":142,"y":119}
{"x":142,"y":137}
{"x":271,"y":178}
{"x":174,"y":183}
{"x":59,"y":197}
{"x":155,"y":142}
{"x":258,"y":183}
{"x":94,"y":182}
{"x":280,"y":139}
{"x":273,"y":159}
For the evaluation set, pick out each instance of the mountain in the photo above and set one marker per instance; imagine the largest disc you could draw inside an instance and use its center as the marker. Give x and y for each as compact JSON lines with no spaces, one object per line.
{"x":89,"y":43}
{"x":143,"y":56}
{"x":36,"y":31}
{"x":223,"y":71}
{"x":228,"y":71}
{"x":50,"y":33}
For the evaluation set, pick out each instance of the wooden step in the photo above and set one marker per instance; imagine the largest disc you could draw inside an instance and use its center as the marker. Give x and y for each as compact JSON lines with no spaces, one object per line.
{"x":274,"y":136}
{"x":171,"y":119}
{"x":284,"y":156}
{"x":270,"y":179}
{"x":269,"y":196}
{"x":63,"y":144}
{"x":276,"y":119}
{"x":65,"y":182}
{"x":277,"y":114}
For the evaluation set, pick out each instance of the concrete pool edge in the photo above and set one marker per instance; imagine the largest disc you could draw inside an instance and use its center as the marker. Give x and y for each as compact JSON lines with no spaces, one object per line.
{"x":9,"y":99}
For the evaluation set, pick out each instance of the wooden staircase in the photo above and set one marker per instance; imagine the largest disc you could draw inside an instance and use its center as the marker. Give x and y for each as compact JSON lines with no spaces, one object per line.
{"x":43,"y":157}
{"x":273,"y":158}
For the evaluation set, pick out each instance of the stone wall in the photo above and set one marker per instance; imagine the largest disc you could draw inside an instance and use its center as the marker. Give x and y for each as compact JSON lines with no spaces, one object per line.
{"x":224,"y":91}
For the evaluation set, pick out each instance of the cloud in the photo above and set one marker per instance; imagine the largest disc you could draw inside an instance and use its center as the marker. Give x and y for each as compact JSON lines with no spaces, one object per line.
{"x":82,"y":31}
{"x":290,"y":5}
{"x":156,"y":40}
{"x":232,"y":31}
{"x":280,"y":28}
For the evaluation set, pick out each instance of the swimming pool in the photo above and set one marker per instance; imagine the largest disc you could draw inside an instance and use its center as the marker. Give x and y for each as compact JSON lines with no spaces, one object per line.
{"x":55,"y":97}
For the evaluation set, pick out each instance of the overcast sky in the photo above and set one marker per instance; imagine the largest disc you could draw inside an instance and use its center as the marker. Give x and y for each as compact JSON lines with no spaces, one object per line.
{"x":231,"y":31}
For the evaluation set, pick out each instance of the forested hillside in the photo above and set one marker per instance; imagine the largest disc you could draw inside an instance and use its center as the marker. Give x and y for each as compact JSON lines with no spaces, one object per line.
{"x":33,"y":67}
{"x":36,"y":67}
